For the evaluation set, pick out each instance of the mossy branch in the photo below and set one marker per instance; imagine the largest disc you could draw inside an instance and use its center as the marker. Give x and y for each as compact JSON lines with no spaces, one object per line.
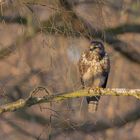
{"x":32,"y":100}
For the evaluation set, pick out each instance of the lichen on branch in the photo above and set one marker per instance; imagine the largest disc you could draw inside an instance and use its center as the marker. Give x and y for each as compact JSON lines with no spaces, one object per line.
{"x":32,"y":100}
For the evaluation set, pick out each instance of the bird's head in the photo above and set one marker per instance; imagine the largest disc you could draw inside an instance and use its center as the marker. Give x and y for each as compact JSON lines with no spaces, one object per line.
{"x":97,"y":47}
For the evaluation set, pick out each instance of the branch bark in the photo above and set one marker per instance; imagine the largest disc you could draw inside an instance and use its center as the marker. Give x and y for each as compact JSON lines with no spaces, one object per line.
{"x":32,"y":99}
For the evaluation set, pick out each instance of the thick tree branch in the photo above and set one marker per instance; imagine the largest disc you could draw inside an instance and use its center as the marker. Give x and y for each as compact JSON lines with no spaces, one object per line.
{"x":32,"y":100}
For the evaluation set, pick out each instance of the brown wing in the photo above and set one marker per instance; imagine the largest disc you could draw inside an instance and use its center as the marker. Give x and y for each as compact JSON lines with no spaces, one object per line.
{"x":105,"y":66}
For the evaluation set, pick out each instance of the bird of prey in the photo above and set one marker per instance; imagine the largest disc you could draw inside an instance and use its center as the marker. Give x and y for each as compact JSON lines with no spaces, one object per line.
{"x":94,"y":66}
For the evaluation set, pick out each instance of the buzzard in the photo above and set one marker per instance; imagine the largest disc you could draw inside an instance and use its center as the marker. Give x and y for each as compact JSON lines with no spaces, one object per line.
{"x":94,"y":66}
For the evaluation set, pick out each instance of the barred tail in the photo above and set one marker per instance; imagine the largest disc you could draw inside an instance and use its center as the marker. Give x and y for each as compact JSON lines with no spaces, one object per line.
{"x":93,"y":103}
{"x":92,"y":106}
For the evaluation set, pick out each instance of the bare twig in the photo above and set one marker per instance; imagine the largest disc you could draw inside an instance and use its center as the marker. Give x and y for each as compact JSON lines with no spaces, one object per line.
{"x":102,"y":125}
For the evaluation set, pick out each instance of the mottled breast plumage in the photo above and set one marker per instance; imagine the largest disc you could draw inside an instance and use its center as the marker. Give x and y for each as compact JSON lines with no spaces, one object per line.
{"x":91,"y":65}
{"x":94,"y":69}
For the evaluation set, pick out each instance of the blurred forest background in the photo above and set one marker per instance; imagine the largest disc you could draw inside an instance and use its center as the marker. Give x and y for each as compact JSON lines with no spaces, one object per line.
{"x":40,"y":44}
